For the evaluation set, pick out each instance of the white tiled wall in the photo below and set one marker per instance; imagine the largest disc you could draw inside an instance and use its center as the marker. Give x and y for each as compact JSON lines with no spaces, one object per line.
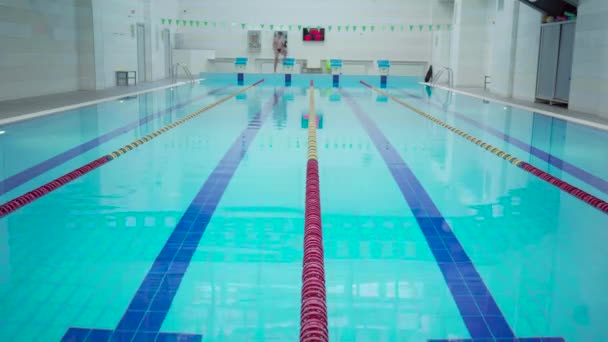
{"x":40,"y":46}
{"x":399,"y":45}
{"x":66,"y":45}
{"x":589,"y":84}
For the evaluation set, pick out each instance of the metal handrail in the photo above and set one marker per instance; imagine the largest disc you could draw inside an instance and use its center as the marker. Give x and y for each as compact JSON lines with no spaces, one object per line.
{"x":441,"y":72}
{"x":186,"y":71}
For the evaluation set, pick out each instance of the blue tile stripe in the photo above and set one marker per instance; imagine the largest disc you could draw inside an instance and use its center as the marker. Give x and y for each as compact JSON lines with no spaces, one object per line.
{"x":152,"y":301}
{"x":30,"y":173}
{"x":573,"y":170}
{"x":478,"y":309}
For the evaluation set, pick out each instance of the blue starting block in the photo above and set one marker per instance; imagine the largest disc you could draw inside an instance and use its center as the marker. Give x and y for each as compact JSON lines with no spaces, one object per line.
{"x":336,"y":70}
{"x":240,"y":64}
{"x":384,"y":67}
{"x":288,"y":64}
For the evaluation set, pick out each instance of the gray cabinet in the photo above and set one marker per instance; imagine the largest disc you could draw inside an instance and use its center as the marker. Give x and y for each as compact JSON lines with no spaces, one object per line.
{"x":555,"y":62}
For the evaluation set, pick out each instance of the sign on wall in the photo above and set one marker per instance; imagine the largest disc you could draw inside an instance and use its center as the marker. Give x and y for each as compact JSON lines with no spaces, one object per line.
{"x":254,"y":41}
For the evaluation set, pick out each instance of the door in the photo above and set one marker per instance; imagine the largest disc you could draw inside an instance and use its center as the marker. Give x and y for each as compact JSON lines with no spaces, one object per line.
{"x":564,"y":64}
{"x":547,"y":61}
{"x":168,"y":52}
{"x":141,"y":53}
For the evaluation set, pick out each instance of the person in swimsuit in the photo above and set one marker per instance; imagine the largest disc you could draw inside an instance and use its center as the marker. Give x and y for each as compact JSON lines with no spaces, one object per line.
{"x":279,"y":46}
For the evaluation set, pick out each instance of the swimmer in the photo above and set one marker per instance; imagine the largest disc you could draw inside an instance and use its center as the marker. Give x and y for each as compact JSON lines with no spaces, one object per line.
{"x":279,"y":46}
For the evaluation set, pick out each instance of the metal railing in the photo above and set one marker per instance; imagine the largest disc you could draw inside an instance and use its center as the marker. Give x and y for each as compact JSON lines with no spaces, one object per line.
{"x":486,"y":82}
{"x":442,"y":71}
{"x":175,"y":72}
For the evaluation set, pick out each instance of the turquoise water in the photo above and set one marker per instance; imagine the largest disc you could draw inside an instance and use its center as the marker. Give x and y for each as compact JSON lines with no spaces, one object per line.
{"x":81,"y":256}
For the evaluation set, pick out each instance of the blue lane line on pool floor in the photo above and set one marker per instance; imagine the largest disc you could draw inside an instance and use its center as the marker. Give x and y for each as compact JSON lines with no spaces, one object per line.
{"x":477,"y":307}
{"x":576,"y":172}
{"x":30,"y":173}
{"x":152,"y":301}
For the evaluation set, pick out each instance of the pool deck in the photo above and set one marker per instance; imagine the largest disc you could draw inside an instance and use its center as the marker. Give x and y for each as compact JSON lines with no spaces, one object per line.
{"x":583,"y":118}
{"x":32,"y":107}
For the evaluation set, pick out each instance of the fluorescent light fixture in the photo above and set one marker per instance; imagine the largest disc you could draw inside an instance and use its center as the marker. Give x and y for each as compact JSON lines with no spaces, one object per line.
{"x":2,"y":132}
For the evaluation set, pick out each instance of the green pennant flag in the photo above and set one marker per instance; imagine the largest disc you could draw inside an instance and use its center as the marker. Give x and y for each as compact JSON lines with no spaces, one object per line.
{"x":346,"y":28}
{"x":271,"y":27}
{"x":421,"y":27}
{"x":354,"y":28}
{"x":198,"y":23}
{"x":383,"y":27}
{"x":329,"y":28}
{"x":289,"y":27}
{"x":162,"y":20}
{"x":308,"y":27}
{"x":339,"y":28}
{"x":318,"y":27}
{"x":430,"y":27}
{"x":214,"y":24}
{"x":411,"y":27}
{"x":392,"y":27}
{"x":169,"y":21}
{"x":449,"y":26}
{"x":299,"y":27}
{"x":191,"y":22}
{"x":402,"y":27}
{"x":184,"y":22}
{"x":372,"y":28}
{"x":177,"y":22}
{"x":438,"y":27}
{"x":243,"y":26}
{"x":205,"y":23}
{"x":363,"y":28}
{"x":262,"y":26}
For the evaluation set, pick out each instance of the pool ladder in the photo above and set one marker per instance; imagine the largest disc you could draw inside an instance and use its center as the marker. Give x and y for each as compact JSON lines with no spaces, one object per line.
{"x":442,"y":71}
{"x":186,"y":70}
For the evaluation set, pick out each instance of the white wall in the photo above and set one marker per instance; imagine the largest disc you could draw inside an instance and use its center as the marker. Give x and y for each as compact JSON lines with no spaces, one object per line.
{"x":116,"y":38}
{"x":589,"y":84}
{"x":526,"y":53}
{"x":231,"y":41}
{"x":40,"y":49}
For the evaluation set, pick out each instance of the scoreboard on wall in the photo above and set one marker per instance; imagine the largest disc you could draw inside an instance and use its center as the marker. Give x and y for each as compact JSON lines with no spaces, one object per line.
{"x":313,"y":34}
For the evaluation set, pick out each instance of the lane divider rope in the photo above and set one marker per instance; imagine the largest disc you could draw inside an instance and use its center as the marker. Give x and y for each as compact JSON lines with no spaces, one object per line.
{"x":35,"y":194}
{"x":313,"y":315}
{"x":562,"y":185}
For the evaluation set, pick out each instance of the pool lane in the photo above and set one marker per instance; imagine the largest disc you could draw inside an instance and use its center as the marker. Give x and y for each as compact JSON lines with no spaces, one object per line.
{"x":552,"y":144}
{"x":75,"y":133}
{"x":579,"y":193}
{"x":382,"y":281}
{"x":22,"y":200}
{"x":244,"y":281}
{"x":76,"y":257}
{"x":536,"y":248}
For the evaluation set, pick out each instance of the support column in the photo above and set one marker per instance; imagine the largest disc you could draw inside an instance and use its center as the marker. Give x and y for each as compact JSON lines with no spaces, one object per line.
{"x":469,"y":52}
{"x":504,"y":41}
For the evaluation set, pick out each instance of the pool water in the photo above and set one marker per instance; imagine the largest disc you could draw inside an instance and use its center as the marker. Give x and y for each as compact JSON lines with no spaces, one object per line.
{"x":198,"y":233}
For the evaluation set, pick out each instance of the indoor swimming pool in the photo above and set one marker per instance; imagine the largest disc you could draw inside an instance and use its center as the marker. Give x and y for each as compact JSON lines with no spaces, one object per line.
{"x":179,"y":214}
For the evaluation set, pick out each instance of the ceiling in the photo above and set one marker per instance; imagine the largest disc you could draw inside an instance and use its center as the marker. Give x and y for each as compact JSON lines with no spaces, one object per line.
{"x":553,"y":7}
